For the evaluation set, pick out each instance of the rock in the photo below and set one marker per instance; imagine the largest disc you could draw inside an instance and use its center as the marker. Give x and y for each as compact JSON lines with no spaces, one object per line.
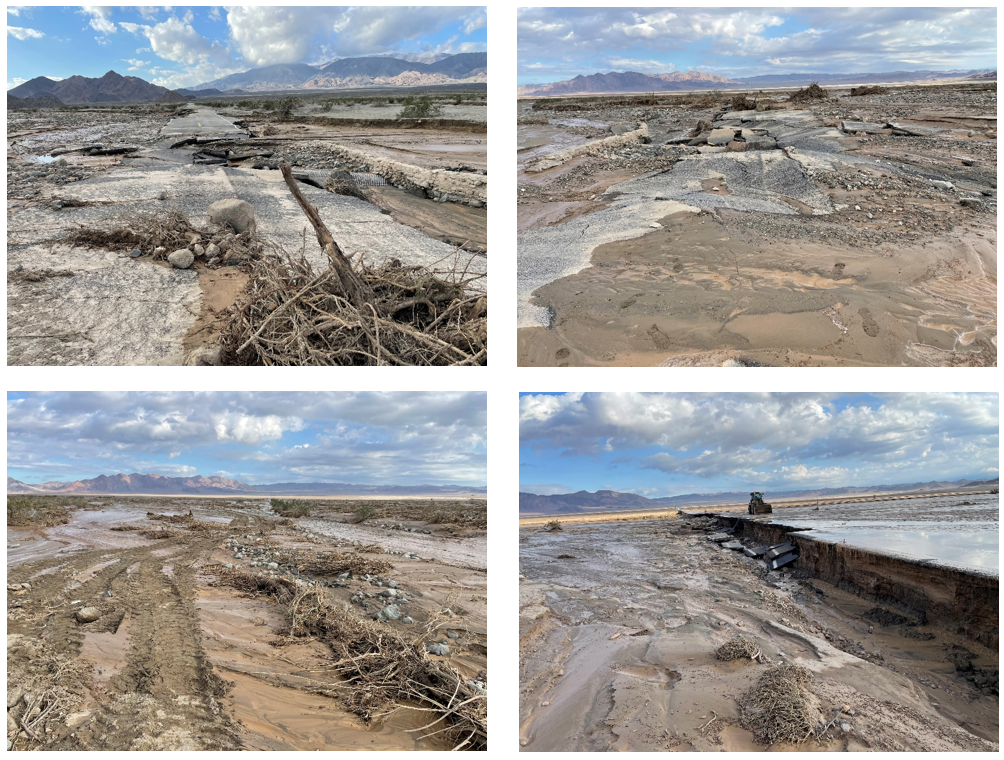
{"x":26,"y":586}
{"x":199,"y":250}
{"x":14,"y":696}
{"x":234,"y":213}
{"x":392,"y":584}
{"x":736,"y":147}
{"x":389,"y":593}
{"x":390,"y":612}
{"x":212,"y":251}
{"x":440,"y":649}
{"x":204,"y":357}
{"x":88,"y":614}
{"x":272,"y":566}
{"x":407,"y":619}
{"x":452,"y":635}
{"x":162,"y":195}
{"x":181,"y":259}
{"x":845,"y":727}
{"x":622,"y":127}
{"x":135,"y":253}
{"x":477,"y":686}
{"x":721,"y":136}
{"x":57,"y":205}
{"x":942,"y":185}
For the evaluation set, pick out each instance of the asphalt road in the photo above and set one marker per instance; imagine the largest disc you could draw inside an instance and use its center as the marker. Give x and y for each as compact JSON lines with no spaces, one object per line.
{"x":203,"y":122}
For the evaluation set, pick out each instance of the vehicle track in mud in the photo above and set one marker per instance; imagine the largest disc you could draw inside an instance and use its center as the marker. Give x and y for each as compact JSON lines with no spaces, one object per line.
{"x":177,"y":662}
{"x":166,"y":690}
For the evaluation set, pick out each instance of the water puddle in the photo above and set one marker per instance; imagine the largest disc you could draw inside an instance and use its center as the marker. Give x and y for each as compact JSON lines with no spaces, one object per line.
{"x":107,"y":651}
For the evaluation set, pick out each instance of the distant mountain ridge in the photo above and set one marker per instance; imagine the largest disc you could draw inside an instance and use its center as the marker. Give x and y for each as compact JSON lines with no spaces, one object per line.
{"x":632,"y":81}
{"x":599,"y":501}
{"x":342,"y":73}
{"x":628,"y":81}
{"x":110,"y":88}
{"x":151,"y":483}
{"x":377,"y":70}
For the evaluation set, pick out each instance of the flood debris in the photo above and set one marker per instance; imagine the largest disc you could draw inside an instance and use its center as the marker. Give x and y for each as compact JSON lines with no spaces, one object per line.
{"x":354,"y":314}
{"x":739,"y":648}
{"x":776,"y":709}
{"x":379,"y":668}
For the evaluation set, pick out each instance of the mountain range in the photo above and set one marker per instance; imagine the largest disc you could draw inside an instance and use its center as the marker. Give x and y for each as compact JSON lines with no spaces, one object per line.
{"x":214,"y":485}
{"x":632,"y":81}
{"x":370,"y":71}
{"x":599,"y":501}
{"x":345,"y":73}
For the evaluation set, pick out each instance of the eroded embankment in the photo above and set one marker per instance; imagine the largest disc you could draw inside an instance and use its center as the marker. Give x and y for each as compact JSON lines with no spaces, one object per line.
{"x":458,"y":187}
{"x":964,"y":603}
{"x":594,"y":148}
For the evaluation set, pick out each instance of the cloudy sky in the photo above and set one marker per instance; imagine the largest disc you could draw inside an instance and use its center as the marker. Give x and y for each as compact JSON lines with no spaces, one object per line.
{"x":676,"y":443}
{"x":180,"y":47}
{"x":363,"y":438}
{"x":560,"y":43}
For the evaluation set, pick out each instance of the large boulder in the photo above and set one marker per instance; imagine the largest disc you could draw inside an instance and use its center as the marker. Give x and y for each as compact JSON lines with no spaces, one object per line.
{"x":181,"y":259}
{"x":722,"y":136}
{"x":88,"y":614}
{"x":234,"y":213}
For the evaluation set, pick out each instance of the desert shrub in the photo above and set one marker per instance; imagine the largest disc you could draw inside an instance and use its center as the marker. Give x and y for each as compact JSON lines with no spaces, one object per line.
{"x":284,"y":107}
{"x":553,"y":526}
{"x":45,"y":510}
{"x":868,"y":90}
{"x":291,"y":507}
{"x":738,"y":648}
{"x":421,"y":107}
{"x":362,"y":512}
{"x":812,"y":92}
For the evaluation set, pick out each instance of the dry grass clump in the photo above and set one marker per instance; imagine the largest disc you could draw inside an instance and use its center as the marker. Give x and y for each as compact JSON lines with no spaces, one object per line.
{"x":868,"y":90}
{"x":43,"y":688}
{"x":331,"y":564}
{"x":290,"y":315}
{"x":737,"y":649}
{"x":375,"y":671}
{"x":553,"y":525}
{"x":775,"y":709}
{"x":812,"y":92}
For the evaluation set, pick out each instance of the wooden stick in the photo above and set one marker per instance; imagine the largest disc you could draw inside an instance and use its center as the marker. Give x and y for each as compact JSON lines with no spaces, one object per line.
{"x":356,"y":290}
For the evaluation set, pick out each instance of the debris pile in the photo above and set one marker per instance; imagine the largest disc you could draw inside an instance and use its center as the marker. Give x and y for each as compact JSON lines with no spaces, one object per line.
{"x":376,"y":667}
{"x":776,"y":709}
{"x":354,"y":315}
{"x":738,"y":648}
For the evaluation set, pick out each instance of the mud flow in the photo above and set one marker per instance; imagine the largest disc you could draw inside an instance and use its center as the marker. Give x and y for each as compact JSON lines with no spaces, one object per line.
{"x":194,"y":624}
{"x":623,"y":634}
{"x":715,"y":230}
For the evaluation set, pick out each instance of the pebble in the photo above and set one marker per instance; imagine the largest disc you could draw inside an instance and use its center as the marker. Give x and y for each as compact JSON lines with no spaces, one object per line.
{"x":440,"y":649}
{"x":135,"y":253}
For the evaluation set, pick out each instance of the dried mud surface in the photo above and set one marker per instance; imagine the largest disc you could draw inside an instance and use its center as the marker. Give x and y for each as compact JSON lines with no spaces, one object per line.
{"x":619,"y":625}
{"x":835,"y":248}
{"x":178,"y":661}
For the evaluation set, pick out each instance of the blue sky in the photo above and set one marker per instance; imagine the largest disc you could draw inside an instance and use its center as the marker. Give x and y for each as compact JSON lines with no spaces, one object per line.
{"x":559,"y":43}
{"x":399,"y":438}
{"x":181,"y":47}
{"x":675,"y":443}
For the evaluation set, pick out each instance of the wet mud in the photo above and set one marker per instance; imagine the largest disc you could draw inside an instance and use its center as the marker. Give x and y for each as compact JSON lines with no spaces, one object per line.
{"x":177,"y":661}
{"x":619,"y":624}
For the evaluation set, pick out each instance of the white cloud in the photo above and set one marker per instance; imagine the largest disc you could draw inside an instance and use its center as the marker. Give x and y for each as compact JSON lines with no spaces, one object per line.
{"x":24,"y":33}
{"x":100,"y":21}
{"x":16,"y":82}
{"x":176,"y":40}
